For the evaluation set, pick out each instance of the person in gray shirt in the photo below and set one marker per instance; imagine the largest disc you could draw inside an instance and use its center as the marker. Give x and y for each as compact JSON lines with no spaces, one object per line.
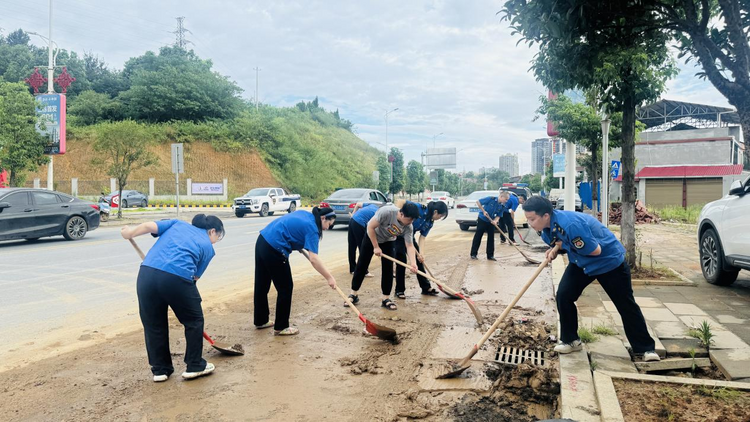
{"x":388,"y":223}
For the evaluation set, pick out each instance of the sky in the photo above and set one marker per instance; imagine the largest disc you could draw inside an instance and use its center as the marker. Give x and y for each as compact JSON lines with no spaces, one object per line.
{"x":452,"y":68}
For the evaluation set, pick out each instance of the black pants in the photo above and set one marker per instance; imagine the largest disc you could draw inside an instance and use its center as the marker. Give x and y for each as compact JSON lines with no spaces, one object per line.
{"x":158,"y":290}
{"x":401,"y":271}
{"x":617,"y":284}
{"x":482,"y":228}
{"x":506,"y":223}
{"x":272,"y":266}
{"x":356,"y":234}
{"x":366,"y":253}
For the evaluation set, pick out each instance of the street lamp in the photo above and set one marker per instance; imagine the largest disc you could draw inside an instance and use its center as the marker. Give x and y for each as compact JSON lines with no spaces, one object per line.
{"x":604,"y":200}
{"x":435,"y":137}
{"x":390,"y":176}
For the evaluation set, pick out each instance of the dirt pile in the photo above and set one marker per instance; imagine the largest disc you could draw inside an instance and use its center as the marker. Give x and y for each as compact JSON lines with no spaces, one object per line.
{"x":642,"y":215}
{"x":366,"y":363}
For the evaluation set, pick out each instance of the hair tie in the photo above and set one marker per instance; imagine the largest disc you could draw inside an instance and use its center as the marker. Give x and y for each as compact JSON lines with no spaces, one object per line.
{"x":329,"y":213}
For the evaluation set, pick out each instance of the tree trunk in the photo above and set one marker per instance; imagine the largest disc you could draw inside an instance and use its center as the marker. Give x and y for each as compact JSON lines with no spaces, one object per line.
{"x":627,"y":225}
{"x":744,"y":113}
{"x":12,"y":176}
{"x":119,"y":195}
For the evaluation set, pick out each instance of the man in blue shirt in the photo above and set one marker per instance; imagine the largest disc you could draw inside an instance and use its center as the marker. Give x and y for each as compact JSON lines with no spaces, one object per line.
{"x":510,"y":203}
{"x":490,"y":210}
{"x":594,"y":253}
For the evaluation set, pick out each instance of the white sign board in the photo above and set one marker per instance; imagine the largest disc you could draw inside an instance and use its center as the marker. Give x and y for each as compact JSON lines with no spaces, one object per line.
{"x":440,"y":158}
{"x":207,"y":189}
{"x":178,"y":161}
{"x":558,"y":165}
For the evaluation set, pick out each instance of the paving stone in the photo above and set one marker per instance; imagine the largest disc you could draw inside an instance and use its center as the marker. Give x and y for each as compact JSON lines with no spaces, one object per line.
{"x":649,"y":302}
{"x":734,"y":364}
{"x":610,"y":363}
{"x":592,"y":312}
{"x":609,"y":306}
{"x":715,"y":305}
{"x":670,"y":364}
{"x":610,"y":346}
{"x":681,"y":347}
{"x":607,"y":397}
{"x":577,"y":395}
{"x":616,"y":318}
{"x":670,"y":329}
{"x":658,"y":346}
{"x":728,"y":340}
{"x":730,"y":319}
{"x":695,"y":321}
{"x":685,"y":309}
{"x":658,"y":315}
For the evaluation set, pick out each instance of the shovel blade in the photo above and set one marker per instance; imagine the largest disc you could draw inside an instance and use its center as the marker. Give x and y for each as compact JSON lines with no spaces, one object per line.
{"x":227,"y":349}
{"x":379,"y":331}
{"x":462,"y":366}
{"x":530,"y":260}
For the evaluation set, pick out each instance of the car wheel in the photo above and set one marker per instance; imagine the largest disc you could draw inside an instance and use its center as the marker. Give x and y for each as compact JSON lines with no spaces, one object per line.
{"x":103,"y":216}
{"x":292,"y":207}
{"x":271,"y":213}
{"x":124,"y":203}
{"x":75,"y":228}
{"x":264,"y":210}
{"x":144,"y":203}
{"x":239,"y":214}
{"x":712,"y":260}
{"x":464,"y":227}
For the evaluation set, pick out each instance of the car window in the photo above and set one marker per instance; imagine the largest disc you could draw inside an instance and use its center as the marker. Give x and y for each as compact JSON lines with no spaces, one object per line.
{"x":65,"y":198}
{"x":348,"y":193}
{"x":279,"y":192}
{"x":257,"y":192}
{"x":374,"y":196}
{"x":382,"y":197}
{"x":19,"y":199}
{"x":44,"y":198}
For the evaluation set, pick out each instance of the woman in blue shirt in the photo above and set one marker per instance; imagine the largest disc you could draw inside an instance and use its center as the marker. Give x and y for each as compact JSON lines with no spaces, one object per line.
{"x":167,"y":278}
{"x":428,"y":214}
{"x":292,"y":232}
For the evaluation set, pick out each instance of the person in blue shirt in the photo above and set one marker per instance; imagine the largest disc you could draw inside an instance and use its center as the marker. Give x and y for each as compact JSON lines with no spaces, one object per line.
{"x":428,"y":214}
{"x":594,"y":253}
{"x":490,"y":209}
{"x":361,"y":215}
{"x":510,"y":203}
{"x":292,"y":232}
{"x":167,"y":278}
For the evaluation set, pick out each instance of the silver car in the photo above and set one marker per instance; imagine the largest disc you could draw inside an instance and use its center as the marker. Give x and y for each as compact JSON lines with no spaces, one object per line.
{"x":343,"y":201}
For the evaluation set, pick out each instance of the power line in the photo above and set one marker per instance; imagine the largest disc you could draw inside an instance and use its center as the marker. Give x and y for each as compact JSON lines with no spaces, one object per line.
{"x":181,"y":41}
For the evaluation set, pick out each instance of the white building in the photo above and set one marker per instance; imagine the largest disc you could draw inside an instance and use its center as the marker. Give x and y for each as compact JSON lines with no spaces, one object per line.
{"x":509,"y":164}
{"x":541,"y":155}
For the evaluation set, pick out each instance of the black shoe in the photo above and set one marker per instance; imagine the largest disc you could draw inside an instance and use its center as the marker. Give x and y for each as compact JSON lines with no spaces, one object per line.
{"x":491,"y":258}
{"x":474,"y":257}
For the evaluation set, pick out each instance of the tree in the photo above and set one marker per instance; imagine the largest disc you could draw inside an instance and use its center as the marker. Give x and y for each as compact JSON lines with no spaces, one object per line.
{"x":399,"y":174}
{"x":534,"y":181}
{"x":21,"y":146}
{"x":18,"y":37}
{"x":125,"y":148}
{"x":384,"y":171}
{"x":91,"y":107}
{"x":596,"y":45}
{"x":414,"y":178}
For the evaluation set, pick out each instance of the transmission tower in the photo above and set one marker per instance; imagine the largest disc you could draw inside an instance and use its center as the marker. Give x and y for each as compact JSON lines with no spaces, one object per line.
{"x":180,"y":40}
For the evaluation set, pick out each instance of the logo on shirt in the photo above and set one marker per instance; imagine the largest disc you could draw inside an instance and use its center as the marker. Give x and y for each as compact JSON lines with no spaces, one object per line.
{"x":393,"y":230}
{"x":578,"y":243}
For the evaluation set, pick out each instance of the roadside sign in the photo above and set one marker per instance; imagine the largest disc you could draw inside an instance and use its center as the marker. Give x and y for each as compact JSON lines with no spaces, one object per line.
{"x":50,"y":112}
{"x":178,"y":161}
{"x":558,"y":165}
{"x":433,"y":177}
{"x":616,"y":168}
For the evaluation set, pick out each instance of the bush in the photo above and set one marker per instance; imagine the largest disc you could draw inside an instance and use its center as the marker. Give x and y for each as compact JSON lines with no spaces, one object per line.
{"x":687,"y":215}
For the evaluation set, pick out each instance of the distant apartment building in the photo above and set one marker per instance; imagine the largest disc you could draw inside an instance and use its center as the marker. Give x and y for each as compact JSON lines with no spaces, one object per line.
{"x":509,"y":164}
{"x":541,"y":155}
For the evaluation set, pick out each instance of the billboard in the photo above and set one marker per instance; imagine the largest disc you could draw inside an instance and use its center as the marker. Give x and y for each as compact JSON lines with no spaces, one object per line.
{"x":51,"y":115}
{"x":440,"y":158}
{"x":207,"y":189}
{"x":558,"y":165}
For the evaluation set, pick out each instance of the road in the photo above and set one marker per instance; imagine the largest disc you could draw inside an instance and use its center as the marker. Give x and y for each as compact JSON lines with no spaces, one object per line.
{"x":55,"y":291}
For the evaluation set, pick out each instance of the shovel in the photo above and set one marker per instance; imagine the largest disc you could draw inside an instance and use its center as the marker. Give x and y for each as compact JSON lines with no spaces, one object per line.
{"x":224,"y":348}
{"x":529,"y":259}
{"x":521,"y":237}
{"x":466,"y":362}
{"x":379,"y":331}
{"x":443,"y":287}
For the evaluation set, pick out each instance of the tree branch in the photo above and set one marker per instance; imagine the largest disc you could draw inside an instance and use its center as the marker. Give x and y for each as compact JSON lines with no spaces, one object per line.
{"x":732,"y":20}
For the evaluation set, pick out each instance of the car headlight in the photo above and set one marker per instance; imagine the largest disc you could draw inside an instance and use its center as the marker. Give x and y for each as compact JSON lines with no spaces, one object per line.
{"x":256,"y":201}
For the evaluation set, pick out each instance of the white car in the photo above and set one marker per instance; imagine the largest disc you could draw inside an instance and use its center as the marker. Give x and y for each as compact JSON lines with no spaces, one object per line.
{"x":724,"y":235}
{"x":265,"y":201}
{"x":442,"y":196}
{"x":467,"y":211}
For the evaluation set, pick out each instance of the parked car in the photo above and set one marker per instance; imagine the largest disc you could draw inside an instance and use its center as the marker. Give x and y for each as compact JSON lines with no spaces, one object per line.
{"x":724,"y":235}
{"x":560,"y":204}
{"x":554,"y":194}
{"x":130,"y":198}
{"x":265,"y":201}
{"x":33,"y":213}
{"x":442,"y":196}
{"x":520,"y":191}
{"x":343,"y":201}
{"x":467,"y":211}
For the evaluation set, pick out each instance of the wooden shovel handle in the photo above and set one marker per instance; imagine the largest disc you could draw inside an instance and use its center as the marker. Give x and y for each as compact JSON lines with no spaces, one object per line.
{"x":343,"y":295}
{"x":516,"y":299}
{"x":137,"y":249}
{"x":427,"y":276}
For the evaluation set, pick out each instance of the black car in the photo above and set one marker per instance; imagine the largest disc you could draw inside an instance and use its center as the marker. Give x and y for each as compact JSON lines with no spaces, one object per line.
{"x":34,"y":213}
{"x":130,"y":198}
{"x":343,"y":201}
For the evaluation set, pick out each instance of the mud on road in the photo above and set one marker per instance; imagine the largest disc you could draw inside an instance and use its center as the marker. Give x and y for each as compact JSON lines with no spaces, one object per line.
{"x":331,"y":371}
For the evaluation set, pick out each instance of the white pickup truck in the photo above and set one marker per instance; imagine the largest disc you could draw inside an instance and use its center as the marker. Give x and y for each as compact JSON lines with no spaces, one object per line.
{"x":265,"y":201}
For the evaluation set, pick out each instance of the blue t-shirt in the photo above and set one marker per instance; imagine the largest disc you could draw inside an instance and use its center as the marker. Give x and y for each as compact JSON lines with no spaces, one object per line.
{"x":510,"y":204}
{"x":424,"y":223}
{"x":580,"y":235}
{"x":365,"y":214}
{"x":493,"y":207}
{"x":293,"y":232}
{"x":181,"y":249}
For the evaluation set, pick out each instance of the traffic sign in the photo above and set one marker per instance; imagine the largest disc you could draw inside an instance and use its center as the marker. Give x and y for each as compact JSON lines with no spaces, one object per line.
{"x":616,"y":168}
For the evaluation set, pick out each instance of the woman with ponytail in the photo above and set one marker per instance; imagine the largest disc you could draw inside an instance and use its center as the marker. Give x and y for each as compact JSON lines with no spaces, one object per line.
{"x":292,"y":232}
{"x":428,"y":214}
{"x":167,"y":278}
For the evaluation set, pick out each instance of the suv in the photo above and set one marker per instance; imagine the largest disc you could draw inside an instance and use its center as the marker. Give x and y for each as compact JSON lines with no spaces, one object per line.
{"x":724,"y":235}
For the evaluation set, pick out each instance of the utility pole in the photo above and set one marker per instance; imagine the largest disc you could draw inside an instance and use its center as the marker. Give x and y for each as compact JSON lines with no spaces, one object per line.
{"x":390,"y":176}
{"x":604,"y":197}
{"x":435,"y":137}
{"x":181,"y":41}
{"x":256,"y":69}
{"x":50,"y":90}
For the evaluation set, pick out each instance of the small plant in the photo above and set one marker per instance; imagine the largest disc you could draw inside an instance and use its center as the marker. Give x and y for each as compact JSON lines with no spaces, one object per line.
{"x":603,"y":330}
{"x":724,"y":394}
{"x":703,"y":333}
{"x":693,"y":366}
{"x":593,"y":365}
{"x":586,"y":336}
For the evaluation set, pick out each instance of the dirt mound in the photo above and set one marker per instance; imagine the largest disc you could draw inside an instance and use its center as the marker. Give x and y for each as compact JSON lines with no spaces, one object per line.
{"x":367,"y":363}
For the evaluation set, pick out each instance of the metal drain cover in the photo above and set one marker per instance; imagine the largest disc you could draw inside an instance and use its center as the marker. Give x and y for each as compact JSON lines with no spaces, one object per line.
{"x":515,"y":356}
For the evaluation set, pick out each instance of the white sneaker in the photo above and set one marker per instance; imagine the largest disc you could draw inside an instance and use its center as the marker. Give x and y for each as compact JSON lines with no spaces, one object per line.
{"x":651,"y":357}
{"x":190,"y":375}
{"x":160,"y":378}
{"x":369,"y":274}
{"x":565,"y":348}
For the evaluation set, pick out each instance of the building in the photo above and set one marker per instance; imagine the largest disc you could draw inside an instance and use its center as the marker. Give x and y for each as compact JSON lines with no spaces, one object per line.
{"x":689,"y":154}
{"x":509,"y":164}
{"x":541,"y":155}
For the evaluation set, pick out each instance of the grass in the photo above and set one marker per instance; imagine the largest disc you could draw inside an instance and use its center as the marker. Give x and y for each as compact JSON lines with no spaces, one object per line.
{"x":687,"y":215}
{"x":586,"y":335}
{"x":603,"y":330}
{"x":190,"y":202}
{"x":724,"y":394}
{"x":703,"y":333}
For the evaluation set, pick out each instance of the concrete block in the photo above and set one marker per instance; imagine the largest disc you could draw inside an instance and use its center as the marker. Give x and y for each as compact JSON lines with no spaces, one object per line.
{"x":658,"y":315}
{"x":685,"y":309}
{"x":610,"y":363}
{"x":734,"y":364}
{"x":728,"y":340}
{"x":695,"y":321}
{"x":658,"y":346}
{"x":609,"y":306}
{"x":577,"y":393}
{"x":607,"y":398}
{"x":610,"y":346}
{"x":671,"y":364}
{"x":681,"y":347}
{"x":670,"y":330}
{"x":730,"y":319}
{"x":649,"y":302}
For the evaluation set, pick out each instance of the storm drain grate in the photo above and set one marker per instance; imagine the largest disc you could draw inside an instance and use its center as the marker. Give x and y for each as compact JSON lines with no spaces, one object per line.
{"x":515,"y":356}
